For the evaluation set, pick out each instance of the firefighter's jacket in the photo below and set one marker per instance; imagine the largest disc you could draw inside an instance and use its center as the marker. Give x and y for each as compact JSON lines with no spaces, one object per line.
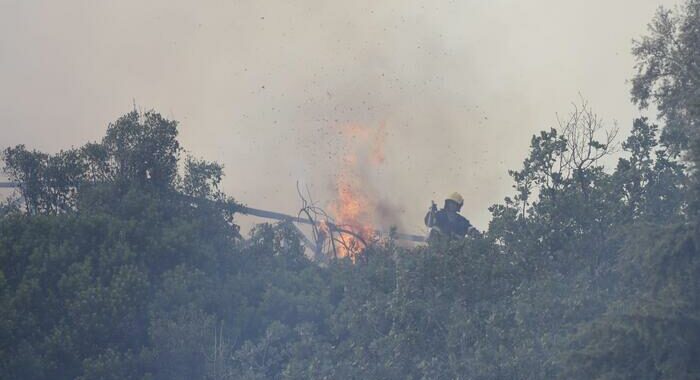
{"x":449,"y":223}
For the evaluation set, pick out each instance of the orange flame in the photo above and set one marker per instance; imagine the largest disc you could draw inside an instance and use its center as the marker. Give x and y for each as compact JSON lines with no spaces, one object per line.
{"x":354,"y":207}
{"x":352,"y":211}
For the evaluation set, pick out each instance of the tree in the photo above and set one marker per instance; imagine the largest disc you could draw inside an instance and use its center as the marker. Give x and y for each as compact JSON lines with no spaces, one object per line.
{"x":143,"y":149}
{"x":650,"y":184}
{"x":560,"y":191}
{"x":48,"y":183}
{"x":668,"y":72}
{"x":653,"y":330}
{"x":83,"y":264}
{"x":202,"y":179}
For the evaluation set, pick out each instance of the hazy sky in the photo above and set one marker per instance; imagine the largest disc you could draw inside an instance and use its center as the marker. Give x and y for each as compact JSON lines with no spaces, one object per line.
{"x":266,"y":87}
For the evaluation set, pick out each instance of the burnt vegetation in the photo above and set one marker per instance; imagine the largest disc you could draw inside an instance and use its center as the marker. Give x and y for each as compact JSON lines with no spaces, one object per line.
{"x":122,"y":260}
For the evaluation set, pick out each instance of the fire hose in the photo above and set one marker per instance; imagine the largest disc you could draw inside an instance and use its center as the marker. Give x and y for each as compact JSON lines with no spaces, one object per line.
{"x":295,"y":219}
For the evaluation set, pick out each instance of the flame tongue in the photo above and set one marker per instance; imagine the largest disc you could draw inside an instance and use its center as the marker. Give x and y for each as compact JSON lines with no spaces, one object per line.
{"x":355,"y":206}
{"x":352,"y":211}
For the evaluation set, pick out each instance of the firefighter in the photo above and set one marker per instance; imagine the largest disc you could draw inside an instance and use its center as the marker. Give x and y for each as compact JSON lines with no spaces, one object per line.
{"x":447,"y":221}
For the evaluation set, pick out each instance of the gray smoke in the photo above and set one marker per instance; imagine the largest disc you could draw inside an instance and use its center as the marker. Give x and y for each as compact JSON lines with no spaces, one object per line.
{"x":262,"y":86}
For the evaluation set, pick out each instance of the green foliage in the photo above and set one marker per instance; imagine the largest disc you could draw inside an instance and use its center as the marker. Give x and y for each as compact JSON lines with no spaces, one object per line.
{"x":654,"y":331}
{"x":202,"y":179}
{"x":121,"y":262}
{"x":48,"y":182}
{"x":668,"y":74}
{"x":651,"y":182}
{"x":138,"y":150}
{"x":146,"y":277}
{"x":143,"y":149}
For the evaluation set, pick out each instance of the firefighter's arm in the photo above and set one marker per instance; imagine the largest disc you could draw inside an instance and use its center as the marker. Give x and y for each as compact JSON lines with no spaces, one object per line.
{"x":470,"y":230}
{"x":473,"y":232}
{"x":430,"y":219}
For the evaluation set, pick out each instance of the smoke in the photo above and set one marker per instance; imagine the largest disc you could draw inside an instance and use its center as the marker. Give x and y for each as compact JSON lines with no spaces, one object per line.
{"x":265,"y":87}
{"x":359,"y":161}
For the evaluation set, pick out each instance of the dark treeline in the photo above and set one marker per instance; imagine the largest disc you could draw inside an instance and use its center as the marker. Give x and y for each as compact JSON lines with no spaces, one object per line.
{"x":122,"y":260}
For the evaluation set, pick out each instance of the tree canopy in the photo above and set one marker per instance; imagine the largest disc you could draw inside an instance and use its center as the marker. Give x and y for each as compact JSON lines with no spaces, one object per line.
{"x":121,"y":259}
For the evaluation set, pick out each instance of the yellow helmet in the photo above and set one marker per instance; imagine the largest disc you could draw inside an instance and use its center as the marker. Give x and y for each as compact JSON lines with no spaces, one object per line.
{"x":456,"y":197}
